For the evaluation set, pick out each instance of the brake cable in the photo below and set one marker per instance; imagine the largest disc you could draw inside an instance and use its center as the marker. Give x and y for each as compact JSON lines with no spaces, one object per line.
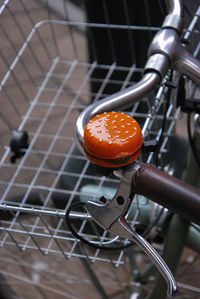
{"x":97,"y":246}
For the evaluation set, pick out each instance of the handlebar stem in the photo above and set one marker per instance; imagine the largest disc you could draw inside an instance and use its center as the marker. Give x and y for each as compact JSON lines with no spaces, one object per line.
{"x":167,"y":42}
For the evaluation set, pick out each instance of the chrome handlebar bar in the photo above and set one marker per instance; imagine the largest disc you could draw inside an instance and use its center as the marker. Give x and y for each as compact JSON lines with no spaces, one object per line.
{"x":121,"y":99}
{"x":165,"y":51}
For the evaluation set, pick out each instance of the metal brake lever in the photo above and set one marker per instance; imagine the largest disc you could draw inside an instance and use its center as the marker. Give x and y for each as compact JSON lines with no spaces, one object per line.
{"x":111,"y":216}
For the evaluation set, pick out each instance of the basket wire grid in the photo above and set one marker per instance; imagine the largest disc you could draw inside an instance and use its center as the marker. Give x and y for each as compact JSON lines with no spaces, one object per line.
{"x":46,"y":81}
{"x":49,"y":120}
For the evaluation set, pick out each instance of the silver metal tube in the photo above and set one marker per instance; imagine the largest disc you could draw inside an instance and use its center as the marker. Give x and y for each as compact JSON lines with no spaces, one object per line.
{"x":186,"y":64}
{"x":174,"y":18}
{"x":175,"y":7}
{"x":121,"y":99}
{"x":167,"y":43}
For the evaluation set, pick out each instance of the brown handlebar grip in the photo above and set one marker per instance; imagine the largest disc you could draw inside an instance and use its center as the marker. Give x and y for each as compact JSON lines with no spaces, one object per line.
{"x":168,"y":191}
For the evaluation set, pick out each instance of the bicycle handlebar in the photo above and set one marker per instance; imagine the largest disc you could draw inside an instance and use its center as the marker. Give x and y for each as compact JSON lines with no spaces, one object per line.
{"x":118,"y":100}
{"x":168,"y":191}
{"x":165,"y":51}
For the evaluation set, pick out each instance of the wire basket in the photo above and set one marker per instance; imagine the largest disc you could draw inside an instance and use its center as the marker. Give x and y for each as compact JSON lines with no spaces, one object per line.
{"x":56,"y":58}
{"x":53,"y":65}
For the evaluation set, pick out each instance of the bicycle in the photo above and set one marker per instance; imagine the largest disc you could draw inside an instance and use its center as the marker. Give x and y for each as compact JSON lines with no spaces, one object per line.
{"x":44,"y":180}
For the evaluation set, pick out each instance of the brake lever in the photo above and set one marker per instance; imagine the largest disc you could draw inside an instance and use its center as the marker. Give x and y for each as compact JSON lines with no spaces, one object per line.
{"x":111,"y":216}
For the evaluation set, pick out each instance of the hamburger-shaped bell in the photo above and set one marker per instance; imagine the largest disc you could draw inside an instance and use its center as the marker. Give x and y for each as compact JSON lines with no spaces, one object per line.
{"x":112,"y":139}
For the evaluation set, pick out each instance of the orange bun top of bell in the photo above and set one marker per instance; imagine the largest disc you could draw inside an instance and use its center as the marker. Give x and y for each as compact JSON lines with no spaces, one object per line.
{"x":112,"y":136}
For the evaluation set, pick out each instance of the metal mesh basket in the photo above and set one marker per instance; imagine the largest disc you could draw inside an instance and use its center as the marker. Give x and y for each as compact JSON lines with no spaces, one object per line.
{"x":56,"y":58}
{"x":54,"y":64}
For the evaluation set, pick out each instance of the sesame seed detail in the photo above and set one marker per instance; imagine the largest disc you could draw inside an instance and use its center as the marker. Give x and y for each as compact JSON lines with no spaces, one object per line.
{"x":112,"y":139}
